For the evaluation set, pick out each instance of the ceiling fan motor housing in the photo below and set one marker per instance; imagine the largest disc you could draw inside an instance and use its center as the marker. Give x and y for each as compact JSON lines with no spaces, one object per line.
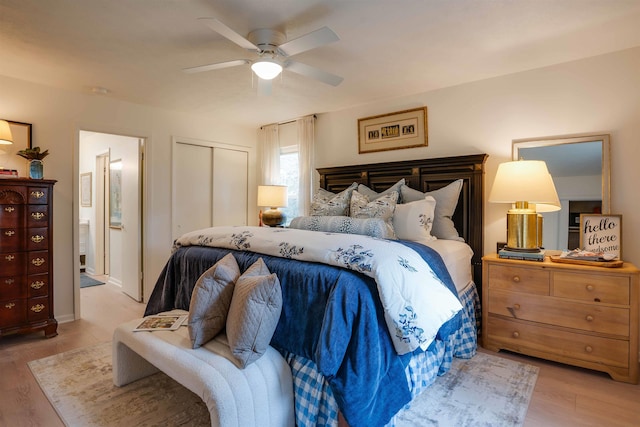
{"x":267,"y":40}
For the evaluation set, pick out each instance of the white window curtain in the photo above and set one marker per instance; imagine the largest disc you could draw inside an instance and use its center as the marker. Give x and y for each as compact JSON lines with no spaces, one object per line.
{"x":270,"y":146}
{"x":306,"y":139}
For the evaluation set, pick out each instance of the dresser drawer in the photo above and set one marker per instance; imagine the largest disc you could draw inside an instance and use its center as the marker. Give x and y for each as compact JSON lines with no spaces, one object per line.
{"x":11,"y":239}
{"x":37,"y":285}
{"x":37,"y":309}
{"x":37,"y":238}
{"x":519,"y":279}
{"x":12,"y":264}
{"x":12,"y":216}
{"x":12,"y":312}
{"x":37,"y":216}
{"x":38,"y":262}
{"x":519,"y":337}
{"x":38,"y":195}
{"x":553,"y":311}
{"x":594,"y":288}
{"x":12,"y":287}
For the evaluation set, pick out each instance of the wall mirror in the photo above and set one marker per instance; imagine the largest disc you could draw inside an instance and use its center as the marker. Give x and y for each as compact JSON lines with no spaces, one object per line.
{"x":580,"y":167}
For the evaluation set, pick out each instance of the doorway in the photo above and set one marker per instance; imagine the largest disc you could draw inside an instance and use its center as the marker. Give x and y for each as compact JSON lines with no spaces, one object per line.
{"x":110,"y":209}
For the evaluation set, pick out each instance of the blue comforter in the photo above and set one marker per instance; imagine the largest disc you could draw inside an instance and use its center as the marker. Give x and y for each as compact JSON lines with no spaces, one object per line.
{"x":330,"y":315}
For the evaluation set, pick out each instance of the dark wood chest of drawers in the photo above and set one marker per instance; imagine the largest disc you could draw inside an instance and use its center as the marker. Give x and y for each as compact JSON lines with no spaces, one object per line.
{"x":26,"y":256}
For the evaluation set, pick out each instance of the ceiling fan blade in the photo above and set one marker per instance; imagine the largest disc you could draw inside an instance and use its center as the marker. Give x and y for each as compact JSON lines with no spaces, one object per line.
{"x":309,"y":41}
{"x":227,"y":32}
{"x":216,"y":66}
{"x":313,"y":72}
{"x":264,"y":87}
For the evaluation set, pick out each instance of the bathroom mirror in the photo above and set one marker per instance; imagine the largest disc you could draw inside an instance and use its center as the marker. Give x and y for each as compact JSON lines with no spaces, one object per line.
{"x":580,"y":167}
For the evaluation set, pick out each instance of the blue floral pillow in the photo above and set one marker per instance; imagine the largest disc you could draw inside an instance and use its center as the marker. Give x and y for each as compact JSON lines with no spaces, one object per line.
{"x":382,"y":207}
{"x":326,"y":203}
{"x":374,"y":227}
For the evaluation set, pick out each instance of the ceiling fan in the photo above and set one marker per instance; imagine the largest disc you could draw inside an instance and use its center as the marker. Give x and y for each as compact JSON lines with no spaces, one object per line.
{"x":274,"y":52}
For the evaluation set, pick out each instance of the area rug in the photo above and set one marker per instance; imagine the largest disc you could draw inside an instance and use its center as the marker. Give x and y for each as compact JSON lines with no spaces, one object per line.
{"x":86,"y":281}
{"x":483,"y":391}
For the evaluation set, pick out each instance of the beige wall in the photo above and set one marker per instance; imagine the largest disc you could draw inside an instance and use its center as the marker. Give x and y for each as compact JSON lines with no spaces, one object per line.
{"x":596,"y":95}
{"x":58,"y":116}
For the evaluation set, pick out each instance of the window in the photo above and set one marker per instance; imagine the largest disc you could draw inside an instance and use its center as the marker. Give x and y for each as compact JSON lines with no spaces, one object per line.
{"x":289,"y":176}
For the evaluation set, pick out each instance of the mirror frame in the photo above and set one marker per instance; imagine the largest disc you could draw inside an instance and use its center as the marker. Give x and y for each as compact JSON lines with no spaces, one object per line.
{"x":517,"y":144}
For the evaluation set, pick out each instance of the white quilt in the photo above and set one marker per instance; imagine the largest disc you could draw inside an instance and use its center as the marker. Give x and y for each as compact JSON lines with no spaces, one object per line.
{"x":416,"y":303}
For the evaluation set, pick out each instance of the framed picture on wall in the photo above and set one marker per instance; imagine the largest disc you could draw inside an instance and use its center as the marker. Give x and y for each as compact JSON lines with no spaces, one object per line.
{"x":85,"y":190}
{"x":394,"y":131}
{"x":601,"y":234}
{"x":115,"y":194}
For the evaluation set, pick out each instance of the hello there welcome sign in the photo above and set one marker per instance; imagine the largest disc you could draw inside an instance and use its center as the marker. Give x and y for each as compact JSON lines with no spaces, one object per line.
{"x":601,"y":234}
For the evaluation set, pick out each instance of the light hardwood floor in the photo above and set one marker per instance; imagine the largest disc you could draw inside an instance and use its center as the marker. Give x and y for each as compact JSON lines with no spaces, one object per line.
{"x":563,"y":396}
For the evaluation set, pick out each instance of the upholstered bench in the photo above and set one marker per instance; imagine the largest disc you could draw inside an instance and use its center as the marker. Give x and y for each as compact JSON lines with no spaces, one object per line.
{"x":259,"y":395}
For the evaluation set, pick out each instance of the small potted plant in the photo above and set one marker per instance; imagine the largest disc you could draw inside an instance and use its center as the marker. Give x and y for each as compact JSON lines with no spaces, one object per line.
{"x":35,"y":156}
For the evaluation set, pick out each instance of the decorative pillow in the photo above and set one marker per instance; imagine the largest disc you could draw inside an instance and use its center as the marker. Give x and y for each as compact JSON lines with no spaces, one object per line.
{"x":382,"y":207}
{"x":374,"y":227}
{"x":210,"y":300}
{"x":414,"y":220}
{"x":326,"y":203}
{"x":372,"y":195}
{"x":254,"y":313}
{"x":446,"y":202}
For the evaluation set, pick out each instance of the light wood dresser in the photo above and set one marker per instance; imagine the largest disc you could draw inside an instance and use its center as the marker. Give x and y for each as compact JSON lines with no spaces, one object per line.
{"x":575,"y":314}
{"x":26,"y":256}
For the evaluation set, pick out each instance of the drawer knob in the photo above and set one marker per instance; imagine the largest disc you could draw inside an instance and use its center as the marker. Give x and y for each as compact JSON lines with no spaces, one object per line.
{"x":9,"y":209}
{"x":37,"y":215}
{"x":10,"y":305}
{"x":9,"y":281}
{"x":37,"y":238}
{"x":589,"y":318}
{"x":9,"y":257}
{"x":516,"y":334}
{"x":37,"y":284}
{"x":516,"y":306}
{"x":590,"y":288}
{"x":37,"y":308}
{"x":9,"y":233}
{"x":516,"y":279}
{"x":37,"y":261}
{"x":37,"y":194}
{"x":588,"y":349}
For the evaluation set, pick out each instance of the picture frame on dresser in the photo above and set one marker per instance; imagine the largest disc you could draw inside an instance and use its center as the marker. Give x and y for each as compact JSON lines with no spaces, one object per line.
{"x":9,"y":158}
{"x":601,"y":234}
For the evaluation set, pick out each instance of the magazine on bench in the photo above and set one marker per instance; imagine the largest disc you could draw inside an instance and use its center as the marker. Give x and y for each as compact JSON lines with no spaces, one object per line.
{"x":161,"y":322}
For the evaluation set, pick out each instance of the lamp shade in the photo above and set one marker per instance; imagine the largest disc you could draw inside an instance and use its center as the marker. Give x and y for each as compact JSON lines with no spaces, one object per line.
{"x":6,"y":138}
{"x":266,"y":69}
{"x":525,"y":181}
{"x":273,"y":196}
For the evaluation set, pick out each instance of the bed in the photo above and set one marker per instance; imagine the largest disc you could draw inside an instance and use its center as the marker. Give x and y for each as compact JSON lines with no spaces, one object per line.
{"x":327,"y":309}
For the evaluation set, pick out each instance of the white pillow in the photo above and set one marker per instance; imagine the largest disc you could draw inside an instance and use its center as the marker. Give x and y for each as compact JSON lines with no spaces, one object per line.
{"x":414,"y":220}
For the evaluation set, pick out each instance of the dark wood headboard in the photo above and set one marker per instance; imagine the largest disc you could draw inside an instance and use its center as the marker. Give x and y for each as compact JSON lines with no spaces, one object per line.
{"x":427,"y":175}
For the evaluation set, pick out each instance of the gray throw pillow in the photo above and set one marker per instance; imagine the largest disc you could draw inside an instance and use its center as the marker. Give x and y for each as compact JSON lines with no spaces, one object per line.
{"x":326,"y":203}
{"x":254,"y":313}
{"x":383,"y":208}
{"x":446,"y":202}
{"x":372,"y":195}
{"x":210,"y":300}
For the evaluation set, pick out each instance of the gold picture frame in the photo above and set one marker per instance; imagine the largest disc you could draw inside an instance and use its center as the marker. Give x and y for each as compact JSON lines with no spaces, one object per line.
{"x":9,"y":158}
{"x":601,"y":233}
{"x":393,"y":131}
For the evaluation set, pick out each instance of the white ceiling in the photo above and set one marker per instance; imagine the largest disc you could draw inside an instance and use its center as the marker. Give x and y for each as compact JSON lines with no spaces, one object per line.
{"x":137,"y":48}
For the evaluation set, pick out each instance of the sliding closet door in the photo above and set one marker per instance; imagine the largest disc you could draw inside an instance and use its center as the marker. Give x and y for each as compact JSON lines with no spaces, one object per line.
{"x":210,"y":186}
{"x":230,"y":187}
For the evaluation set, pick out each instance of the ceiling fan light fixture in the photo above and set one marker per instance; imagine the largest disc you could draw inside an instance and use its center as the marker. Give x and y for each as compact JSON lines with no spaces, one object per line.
{"x":266,"y":69}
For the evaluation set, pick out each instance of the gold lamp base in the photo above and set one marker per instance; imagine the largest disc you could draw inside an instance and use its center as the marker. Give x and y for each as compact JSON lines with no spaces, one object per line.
{"x":273,"y":217}
{"x":522,"y":229}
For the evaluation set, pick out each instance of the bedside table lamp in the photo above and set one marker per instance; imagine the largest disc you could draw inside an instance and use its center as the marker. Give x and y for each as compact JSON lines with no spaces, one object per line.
{"x":5,"y":133}
{"x":528,"y":184}
{"x":274,"y":197}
